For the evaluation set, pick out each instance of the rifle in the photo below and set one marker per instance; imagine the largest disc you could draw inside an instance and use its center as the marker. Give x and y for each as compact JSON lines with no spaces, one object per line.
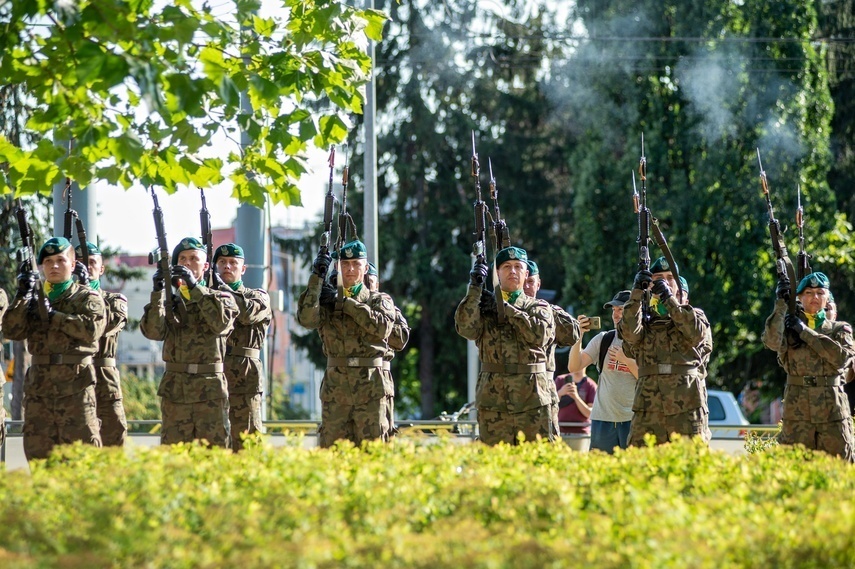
{"x":639,"y":204}
{"x":329,"y":202}
{"x":478,"y":248}
{"x":28,"y":253}
{"x":345,"y":225}
{"x":162,"y":253}
{"x":207,"y":238}
{"x":71,"y":216}
{"x":783,"y":265}
{"x":803,"y":262}
{"x":501,"y":240}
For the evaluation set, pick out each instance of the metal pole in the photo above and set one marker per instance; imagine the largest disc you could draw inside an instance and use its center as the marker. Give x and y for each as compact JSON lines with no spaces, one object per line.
{"x":369,"y":232}
{"x":81,"y":201}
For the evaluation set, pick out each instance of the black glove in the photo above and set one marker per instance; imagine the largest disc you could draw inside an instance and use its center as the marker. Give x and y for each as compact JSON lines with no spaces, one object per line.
{"x":643,"y":279}
{"x":27,"y":282}
{"x":217,"y":281}
{"x":487,"y":303}
{"x":328,"y":293}
{"x":661,"y":288}
{"x":81,"y":271}
{"x":34,"y":313}
{"x":182,"y":273}
{"x":782,"y":291}
{"x":157,"y":281}
{"x":794,"y":323}
{"x":321,"y":265}
{"x":478,"y":274}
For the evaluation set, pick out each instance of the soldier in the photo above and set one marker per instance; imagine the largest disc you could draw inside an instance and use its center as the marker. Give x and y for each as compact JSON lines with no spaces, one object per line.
{"x":108,"y":384}
{"x":672,"y":350}
{"x":4,"y":304}
{"x":567,"y":331}
{"x":244,"y":372}
{"x":59,"y":389}
{"x":357,"y":391}
{"x":372,"y":278}
{"x":814,"y":352}
{"x":514,"y":392}
{"x":194,"y":400}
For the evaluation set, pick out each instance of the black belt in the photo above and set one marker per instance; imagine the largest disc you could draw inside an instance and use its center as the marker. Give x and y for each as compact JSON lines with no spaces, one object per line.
{"x":491,"y":367}
{"x":665,"y":369}
{"x":104,"y":362}
{"x":814,"y":380}
{"x":61,"y":359}
{"x":252,"y":353}
{"x":356,"y":362}
{"x":194,"y":368}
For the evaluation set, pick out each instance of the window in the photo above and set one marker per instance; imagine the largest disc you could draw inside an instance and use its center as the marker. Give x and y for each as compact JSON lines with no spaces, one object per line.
{"x":716,"y":409}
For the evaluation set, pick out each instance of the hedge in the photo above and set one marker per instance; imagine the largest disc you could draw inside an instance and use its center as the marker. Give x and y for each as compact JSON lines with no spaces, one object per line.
{"x":411,"y":504}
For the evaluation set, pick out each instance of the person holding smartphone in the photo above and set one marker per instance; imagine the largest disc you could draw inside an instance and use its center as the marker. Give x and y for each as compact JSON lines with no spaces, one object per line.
{"x":611,"y":414}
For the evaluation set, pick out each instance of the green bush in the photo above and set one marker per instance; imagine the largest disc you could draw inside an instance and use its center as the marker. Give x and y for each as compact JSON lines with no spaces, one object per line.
{"x":139,"y":397}
{"x":409,"y":504}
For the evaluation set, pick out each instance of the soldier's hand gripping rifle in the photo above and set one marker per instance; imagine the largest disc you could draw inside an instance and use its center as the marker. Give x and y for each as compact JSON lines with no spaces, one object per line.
{"x":72,"y":217}
{"x":803,"y":262}
{"x":163,"y":260}
{"x":207,"y":239}
{"x":479,"y":247}
{"x":501,"y":240}
{"x":27,"y":253}
{"x":783,"y":265}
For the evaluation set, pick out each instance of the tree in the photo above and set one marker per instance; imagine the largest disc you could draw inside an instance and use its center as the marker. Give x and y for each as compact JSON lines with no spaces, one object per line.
{"x":147,"y":92}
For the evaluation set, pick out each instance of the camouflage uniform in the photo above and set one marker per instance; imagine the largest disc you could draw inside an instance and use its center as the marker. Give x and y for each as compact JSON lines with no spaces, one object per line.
{"x":672,"y":352}
{"x":244,"y":372}
{"x":59,"y":388}
{"x":816,"y":410}
{"x":520,"y":396}
{"x":108,"y":386}
{"x":4,"y":304}
{"x":193,"y":391}
{"x":357,"y":392}
{"x":567,"y":333}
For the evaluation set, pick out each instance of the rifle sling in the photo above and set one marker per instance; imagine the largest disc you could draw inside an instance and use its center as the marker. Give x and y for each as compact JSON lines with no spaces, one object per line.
{"x":663,"y":245}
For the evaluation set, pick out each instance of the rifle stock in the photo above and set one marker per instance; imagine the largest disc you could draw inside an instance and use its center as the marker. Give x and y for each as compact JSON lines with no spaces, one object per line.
{"x":28,"y":253}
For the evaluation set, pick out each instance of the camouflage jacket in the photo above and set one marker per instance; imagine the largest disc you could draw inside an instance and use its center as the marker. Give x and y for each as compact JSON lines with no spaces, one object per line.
{"x":245,"y":375}
{"x":201,"y":340}
{"x":363,"y":328}
{"x":109,"y":382}
{"x":826,"y":351}
{"x":73,"y":330}
{"x":4,"y":304}
{"x":523,"y":339}
{"x":683,"y":338}
{"x":567,"y":333}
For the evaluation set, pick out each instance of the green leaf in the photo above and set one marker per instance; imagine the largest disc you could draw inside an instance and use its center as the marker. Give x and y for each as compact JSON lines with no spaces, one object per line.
{"x":332,"y":131}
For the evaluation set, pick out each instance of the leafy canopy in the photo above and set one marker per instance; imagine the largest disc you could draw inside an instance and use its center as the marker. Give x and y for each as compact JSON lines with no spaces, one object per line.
{"x":147,"y":94}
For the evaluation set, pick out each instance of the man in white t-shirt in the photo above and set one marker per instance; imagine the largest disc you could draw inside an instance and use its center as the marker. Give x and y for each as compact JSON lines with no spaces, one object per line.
{"x":612,"y":412}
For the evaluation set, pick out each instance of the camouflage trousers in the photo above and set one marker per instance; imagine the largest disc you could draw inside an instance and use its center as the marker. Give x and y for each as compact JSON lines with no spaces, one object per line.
{"x":114,"y":427}
{"x":244,"y":416}
{"x":2,"y":424}
{"x":355,"y":423}
{"x":835,"y":438}
{"x":654,"y":421}
{"x":187,"y":422}
{"x":502,"y":427}
{"x":56,"y":421}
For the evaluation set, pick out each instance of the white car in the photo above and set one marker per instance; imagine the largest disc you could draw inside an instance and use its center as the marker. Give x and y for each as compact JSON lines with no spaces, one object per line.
{"x":725,"y":412}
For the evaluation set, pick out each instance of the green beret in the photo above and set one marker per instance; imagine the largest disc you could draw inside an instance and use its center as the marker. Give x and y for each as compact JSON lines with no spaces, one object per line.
{"x":532,"y":268}
{"x":93,"y":249}
{"x":511,"y":254}
{"x":353,"y":250}
{"x":660,"y":265}
{"x":187,"y":244}
{"x":372,"y":270}
{"x":684,"y":285}
{"x":228,"y":250}
{"x":813,"y":280}
{"x":53,"y":246}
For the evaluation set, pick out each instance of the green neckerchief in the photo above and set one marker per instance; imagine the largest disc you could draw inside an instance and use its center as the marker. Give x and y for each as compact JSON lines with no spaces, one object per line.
{"x":512,"y":297}
{"x":815,"y":320}
{"x":96,"y":284}
{"x":201,"y":282}
{"x":54,"y":291}
{"x":353,"y":291}
{"x":659,"y":307}
{"x":235,"y":285}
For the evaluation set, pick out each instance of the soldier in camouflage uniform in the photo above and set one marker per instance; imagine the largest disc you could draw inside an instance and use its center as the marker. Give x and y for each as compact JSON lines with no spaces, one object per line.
{"x":814,"y":352}
{"x":59,"y":389}
{"x":567,"y":331}
{"x":244,"y":372}
{"x":672,"y":350}
{"x":514,"y":392}
{"x":108,"y":384}
{"x":194,"y":399}
{"x":357,"y":390}
{"x":4,"y":304}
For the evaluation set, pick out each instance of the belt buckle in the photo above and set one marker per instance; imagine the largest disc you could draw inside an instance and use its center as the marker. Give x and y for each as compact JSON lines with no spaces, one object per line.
{"x":56,"y":359}
{"x":810,"y":380}
{"x":664,"y":369}
{"x":352,"y":362}
{"x":192,"y":368}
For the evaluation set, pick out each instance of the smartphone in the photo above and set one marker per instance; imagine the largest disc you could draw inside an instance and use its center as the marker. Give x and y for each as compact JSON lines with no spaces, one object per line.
{"x":594,"y":323}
